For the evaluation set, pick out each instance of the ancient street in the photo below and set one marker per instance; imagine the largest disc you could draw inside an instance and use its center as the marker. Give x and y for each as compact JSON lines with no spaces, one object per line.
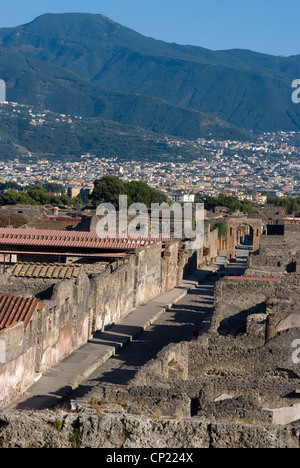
{"x":175,"y":325}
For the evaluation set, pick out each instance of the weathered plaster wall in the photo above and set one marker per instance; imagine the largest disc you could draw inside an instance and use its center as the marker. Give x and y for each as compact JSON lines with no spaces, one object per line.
{"x":211,"y":240}
{"x":149,"y":281}
{"x":17,"y":373}
{"x":62,"y":321}
{"x":111,"y":294}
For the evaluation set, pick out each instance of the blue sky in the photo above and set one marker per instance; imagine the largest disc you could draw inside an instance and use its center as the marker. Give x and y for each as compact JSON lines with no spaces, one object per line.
{"x":269,"y":26}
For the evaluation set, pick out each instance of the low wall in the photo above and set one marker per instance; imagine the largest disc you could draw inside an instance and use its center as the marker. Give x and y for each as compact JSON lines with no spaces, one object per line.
{"x":115,"y":431}
{"x":171,"y":362}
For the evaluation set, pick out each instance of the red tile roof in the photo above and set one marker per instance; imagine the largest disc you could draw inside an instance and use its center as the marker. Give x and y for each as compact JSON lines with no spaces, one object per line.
{"x":45,"y":238}
{"x":15,"y":309}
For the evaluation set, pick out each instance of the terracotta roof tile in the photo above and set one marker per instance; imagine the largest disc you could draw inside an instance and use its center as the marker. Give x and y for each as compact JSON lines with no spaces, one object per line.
{"x":51,"y":271}
{"x":78,"y":239}
{"x":15,"y":309}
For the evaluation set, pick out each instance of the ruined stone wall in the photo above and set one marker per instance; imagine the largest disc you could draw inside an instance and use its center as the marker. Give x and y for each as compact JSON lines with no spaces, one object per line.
{"x":171,"y":362}
{"x":297,"y":259}
{"x":269,"y":266}
{"x":227,"y":357}
{"x":242,"y":225}
{"x":53,"y":333}
{"x":272,"y":255}
{"x":211,"y":240}
{"x":94,"y":429}
{"x":43,"y":289}
{"x":278,"y":254}
{"x":146,"y":401}
{"x":269,"y":245}
{"x":149,"y":280}
{"x":172,"y":266}
{"x":32,"y":213}
{"x":283,"y":306}
{"x":292,"y":236}
{"x":223,"y":379}
{"x":235,"y":300}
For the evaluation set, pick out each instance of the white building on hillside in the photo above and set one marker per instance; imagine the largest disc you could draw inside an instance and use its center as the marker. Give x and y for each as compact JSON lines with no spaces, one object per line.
{"x":183,"y":198}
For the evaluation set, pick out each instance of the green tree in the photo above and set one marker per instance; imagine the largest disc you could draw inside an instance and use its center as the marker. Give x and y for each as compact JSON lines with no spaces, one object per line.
{"x":140,"y":192}
{"x":107,"y":190}
{"x":247,"y":207}
{"x":290,"y":204}
{"x":222,"y":228}
{"x":232,"y":203}
{"x":271,"y":198}
{"x":12,"y":197}
{"x":53,"y":187}
{"x":10,"y":185}
{"x":39,"y":195}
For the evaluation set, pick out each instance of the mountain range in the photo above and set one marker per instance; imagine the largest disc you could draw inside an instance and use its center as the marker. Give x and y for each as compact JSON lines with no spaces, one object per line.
{"x":88,"y":65}
{"x":48,"y":86}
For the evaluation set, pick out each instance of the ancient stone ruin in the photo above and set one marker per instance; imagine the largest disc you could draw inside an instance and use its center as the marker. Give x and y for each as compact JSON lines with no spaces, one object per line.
{"x":237,"y":385}
{"x":244,"y":370}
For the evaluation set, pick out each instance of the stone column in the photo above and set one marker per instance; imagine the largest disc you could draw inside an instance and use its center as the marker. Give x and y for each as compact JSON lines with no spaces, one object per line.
{"x":271,"y":327}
